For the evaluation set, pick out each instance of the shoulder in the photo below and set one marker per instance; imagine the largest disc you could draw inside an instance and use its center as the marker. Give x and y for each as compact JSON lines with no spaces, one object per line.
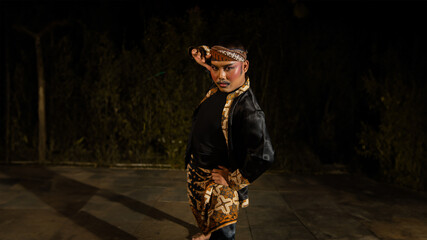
{"x":247,"y":103}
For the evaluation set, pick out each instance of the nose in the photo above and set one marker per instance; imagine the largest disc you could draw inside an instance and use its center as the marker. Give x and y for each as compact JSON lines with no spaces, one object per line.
{"x":222,"y":74}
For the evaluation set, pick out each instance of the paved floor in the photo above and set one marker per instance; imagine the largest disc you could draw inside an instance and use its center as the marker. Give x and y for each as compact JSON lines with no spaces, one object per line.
{"x":58,"y":203}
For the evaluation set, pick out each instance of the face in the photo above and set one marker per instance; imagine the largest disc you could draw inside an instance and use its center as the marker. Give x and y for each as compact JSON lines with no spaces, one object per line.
{"x":229,"y":75}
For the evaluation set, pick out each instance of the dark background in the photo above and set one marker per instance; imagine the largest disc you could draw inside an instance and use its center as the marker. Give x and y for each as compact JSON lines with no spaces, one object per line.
{"x":342,"y":83}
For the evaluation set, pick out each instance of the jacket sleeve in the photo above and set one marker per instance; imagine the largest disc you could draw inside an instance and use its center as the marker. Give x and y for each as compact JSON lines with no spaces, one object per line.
{"x":260,"y":153}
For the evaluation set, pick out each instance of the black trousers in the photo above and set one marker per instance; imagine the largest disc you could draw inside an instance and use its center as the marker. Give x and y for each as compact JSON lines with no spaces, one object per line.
{"x":225,"y":233}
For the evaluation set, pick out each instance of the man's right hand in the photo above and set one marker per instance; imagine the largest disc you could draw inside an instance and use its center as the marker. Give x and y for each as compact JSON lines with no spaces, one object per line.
{"x":200,"y":59}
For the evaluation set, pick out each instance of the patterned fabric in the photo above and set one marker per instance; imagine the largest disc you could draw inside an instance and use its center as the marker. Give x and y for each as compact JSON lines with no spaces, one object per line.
{"x":226,"y":110}
{"x":236,"y":181}
{"x":214,"y":205}
{"x":220,"y":53}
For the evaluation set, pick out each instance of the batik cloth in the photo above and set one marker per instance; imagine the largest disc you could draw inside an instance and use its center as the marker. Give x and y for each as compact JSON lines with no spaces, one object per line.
{"x":220,"y":53}
{"x":213,"y":205}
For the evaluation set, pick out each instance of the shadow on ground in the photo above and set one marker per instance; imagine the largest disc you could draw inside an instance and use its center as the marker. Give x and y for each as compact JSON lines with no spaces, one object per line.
{"x":68,"y":197}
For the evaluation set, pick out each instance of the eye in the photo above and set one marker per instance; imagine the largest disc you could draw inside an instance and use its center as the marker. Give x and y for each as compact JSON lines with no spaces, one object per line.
{"x":228,"y":68}
{"x":214,"y":68}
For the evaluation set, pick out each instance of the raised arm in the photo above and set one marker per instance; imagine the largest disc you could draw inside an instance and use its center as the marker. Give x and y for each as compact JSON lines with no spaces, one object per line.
{"x":202,"y":56}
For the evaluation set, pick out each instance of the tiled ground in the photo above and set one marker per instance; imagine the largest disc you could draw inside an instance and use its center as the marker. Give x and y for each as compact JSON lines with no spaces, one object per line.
{"x":57,"y":203}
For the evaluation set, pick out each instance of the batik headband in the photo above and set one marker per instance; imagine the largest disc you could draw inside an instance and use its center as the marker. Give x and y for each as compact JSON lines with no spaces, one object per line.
{"x":219,"y":53}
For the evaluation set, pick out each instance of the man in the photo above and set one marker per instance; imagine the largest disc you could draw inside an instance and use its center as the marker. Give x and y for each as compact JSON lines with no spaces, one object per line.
{"x":229,"y":146}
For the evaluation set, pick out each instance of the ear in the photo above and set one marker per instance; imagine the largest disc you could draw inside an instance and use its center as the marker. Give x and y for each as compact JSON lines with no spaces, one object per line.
{"x":245,"y":66}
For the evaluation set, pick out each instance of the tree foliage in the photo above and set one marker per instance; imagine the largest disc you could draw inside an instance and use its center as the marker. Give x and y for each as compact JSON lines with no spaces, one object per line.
{"x":116,"y":98}
{"x":397,"y":139}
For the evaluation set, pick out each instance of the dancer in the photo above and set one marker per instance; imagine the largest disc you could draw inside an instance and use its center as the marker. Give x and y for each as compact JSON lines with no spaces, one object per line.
{"x":229,"y":146}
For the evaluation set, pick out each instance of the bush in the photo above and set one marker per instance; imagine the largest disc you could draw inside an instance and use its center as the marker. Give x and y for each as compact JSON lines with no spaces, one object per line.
{"x":397,"y":141}
{"x":140,"y":100}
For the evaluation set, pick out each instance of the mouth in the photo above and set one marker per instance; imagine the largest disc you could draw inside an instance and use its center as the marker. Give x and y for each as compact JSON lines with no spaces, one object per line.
{"x":223,"y":84}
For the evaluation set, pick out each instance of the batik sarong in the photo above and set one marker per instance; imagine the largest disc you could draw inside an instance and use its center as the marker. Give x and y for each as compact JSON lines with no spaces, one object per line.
{"x":213,"y":205}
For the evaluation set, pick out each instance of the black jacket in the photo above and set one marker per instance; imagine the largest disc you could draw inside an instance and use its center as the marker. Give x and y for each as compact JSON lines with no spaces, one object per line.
{"x":249,"y":144}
